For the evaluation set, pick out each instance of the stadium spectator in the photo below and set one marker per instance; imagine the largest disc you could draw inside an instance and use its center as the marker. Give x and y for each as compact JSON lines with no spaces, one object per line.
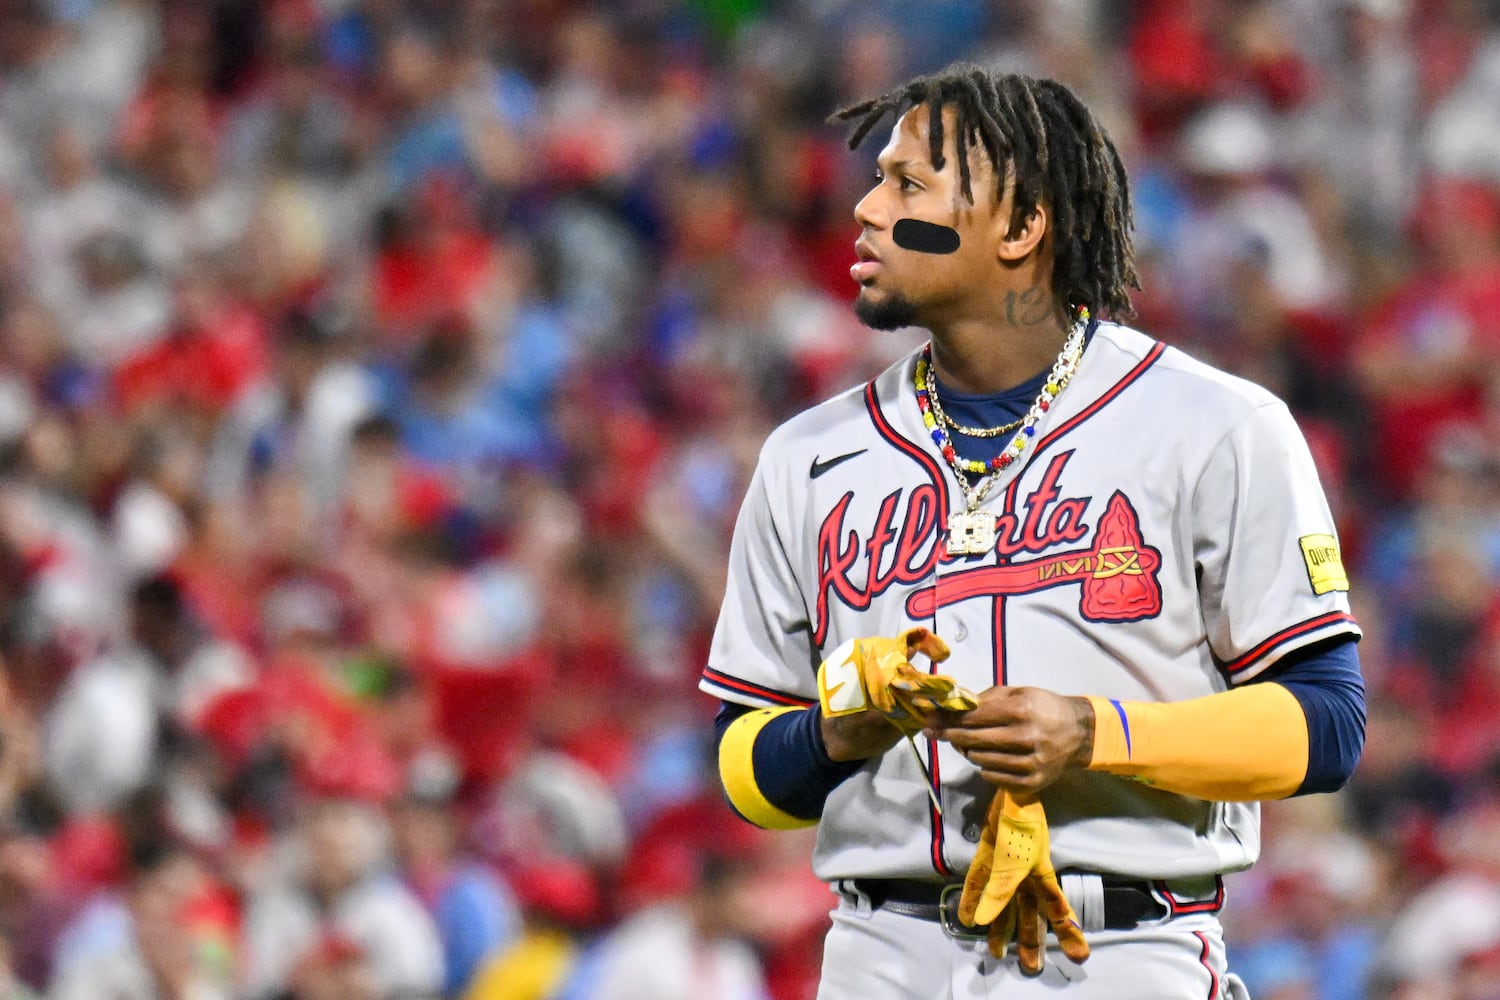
{"x":339,"y":890}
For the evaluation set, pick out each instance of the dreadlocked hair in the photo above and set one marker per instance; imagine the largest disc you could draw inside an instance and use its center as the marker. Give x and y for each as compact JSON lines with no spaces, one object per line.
{"x":1038,"y":133}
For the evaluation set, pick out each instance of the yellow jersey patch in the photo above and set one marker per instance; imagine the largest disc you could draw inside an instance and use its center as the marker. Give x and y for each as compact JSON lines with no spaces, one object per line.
{"x":1325,"y":570}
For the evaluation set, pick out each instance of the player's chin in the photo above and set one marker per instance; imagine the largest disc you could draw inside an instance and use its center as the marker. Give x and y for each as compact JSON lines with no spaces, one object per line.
{"x":883,"y":310}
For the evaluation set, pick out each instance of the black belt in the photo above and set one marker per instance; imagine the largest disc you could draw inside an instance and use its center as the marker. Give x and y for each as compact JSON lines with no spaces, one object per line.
{"x":1126,"y":903}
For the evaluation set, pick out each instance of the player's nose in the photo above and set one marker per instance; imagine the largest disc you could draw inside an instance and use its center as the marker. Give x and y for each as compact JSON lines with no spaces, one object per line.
{"x":870,"y":211}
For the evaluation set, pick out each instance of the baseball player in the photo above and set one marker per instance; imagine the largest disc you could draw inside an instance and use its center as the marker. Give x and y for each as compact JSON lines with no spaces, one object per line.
{"x":1120,"y":558}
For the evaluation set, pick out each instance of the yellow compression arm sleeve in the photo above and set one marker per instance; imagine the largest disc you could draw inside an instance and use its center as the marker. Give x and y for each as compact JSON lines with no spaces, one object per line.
{"x":737,"y":771}
{"x":1243,"y":745}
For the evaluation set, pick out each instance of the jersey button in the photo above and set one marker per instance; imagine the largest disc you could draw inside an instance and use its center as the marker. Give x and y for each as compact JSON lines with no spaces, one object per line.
{"x":961,"y":632}
{"x":972,"y":833}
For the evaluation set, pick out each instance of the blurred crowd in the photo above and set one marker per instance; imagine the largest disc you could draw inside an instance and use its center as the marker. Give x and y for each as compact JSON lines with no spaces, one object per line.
{"x":379,"y":380}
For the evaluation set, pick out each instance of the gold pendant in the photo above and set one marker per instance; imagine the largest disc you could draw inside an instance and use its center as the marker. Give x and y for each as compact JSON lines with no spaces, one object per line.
{"x":971,"y":533}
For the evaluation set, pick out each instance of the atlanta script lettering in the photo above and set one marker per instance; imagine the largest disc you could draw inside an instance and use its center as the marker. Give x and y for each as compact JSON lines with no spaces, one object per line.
{"x":902,"y":547}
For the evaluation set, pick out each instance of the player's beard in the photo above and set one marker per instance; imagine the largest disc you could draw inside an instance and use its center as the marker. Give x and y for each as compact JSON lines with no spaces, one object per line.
{"x":894,"y":312}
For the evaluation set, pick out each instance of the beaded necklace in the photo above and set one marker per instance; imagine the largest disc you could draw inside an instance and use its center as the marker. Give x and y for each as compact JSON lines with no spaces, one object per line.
{"x":971,"y":531}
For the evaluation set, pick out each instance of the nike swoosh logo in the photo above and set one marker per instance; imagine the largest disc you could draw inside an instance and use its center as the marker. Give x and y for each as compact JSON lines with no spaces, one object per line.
{"x":836,"y":689}
{"x":818,"y":468}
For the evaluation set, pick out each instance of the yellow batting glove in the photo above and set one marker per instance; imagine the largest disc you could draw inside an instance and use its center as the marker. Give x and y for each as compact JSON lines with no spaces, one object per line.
{"x":1011,"y":885}
{"x":877,"y":673}
{"x":1014,"y":837}
{"x":1014,"y":844}
{"x":1040,"y":897}
{"x":1000,"y":933}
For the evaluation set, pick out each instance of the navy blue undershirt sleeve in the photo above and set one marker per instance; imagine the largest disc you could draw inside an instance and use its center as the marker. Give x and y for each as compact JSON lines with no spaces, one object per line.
{"x":1327,"y":683}
{"x":792,"y":766}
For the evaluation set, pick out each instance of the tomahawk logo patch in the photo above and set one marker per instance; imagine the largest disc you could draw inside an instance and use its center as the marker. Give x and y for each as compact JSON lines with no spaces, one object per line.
{"x":1116,"y":576}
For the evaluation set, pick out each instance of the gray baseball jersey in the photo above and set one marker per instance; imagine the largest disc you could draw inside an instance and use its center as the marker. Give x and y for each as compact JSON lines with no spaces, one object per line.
{"x":1165,"y":537}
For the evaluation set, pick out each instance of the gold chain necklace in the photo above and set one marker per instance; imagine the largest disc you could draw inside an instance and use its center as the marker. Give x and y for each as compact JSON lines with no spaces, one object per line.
{"x":954,"y":425}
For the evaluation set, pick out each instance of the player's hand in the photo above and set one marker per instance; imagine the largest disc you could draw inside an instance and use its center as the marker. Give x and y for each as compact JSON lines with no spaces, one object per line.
{"x":858,"y":737}
{"x":1021,"y":738}
{"x":870,"y":679}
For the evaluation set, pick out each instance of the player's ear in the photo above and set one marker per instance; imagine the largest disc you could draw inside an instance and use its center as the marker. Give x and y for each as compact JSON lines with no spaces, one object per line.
{"x":1024,"y":237}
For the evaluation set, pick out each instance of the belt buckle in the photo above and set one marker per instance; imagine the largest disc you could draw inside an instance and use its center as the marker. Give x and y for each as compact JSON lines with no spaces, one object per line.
{"x":948,"y":916}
